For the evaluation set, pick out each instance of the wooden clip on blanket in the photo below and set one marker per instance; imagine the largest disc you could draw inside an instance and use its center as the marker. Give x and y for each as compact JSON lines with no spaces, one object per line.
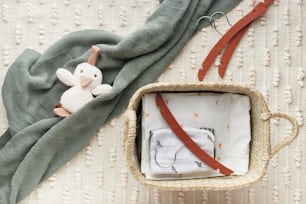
{"x":230,"y":40}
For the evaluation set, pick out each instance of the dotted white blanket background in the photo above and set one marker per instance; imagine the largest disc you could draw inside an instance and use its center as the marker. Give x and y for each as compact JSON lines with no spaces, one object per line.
{"x":270,"y":57}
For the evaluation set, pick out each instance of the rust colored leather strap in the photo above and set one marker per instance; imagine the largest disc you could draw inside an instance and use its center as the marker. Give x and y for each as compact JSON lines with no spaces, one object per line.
{"x":229,"y":51}
{"x":231,"y":39}
{"x":186,"y":140}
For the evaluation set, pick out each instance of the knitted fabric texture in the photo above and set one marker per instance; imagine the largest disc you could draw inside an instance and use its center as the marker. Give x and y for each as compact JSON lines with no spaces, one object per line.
{"x":37,"y":143}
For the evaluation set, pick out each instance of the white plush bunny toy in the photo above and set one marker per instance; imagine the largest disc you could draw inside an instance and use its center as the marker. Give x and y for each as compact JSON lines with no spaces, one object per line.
{"x":85,"y":83}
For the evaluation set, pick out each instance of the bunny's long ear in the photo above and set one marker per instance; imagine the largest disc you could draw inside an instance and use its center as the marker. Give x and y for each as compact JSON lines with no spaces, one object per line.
{"x":94,"y":55}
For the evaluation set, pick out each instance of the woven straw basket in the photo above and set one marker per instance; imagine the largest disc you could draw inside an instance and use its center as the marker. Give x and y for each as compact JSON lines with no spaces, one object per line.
{"x":260,"y":147}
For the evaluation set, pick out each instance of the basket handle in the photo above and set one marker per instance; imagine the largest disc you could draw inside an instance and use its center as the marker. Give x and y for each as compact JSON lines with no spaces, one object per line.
{"x":287,"y":140}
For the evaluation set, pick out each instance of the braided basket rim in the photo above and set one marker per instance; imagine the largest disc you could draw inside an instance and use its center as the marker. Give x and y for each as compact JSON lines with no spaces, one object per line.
{"x":260,"y":147}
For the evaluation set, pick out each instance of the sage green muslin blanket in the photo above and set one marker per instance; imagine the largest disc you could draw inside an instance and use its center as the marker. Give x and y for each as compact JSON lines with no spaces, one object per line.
{"x":37,"y":143}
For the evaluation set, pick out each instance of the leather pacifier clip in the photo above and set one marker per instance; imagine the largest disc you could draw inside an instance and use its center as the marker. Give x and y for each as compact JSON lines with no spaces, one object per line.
{"x":186,"y":140}
{"x":231,"y":39}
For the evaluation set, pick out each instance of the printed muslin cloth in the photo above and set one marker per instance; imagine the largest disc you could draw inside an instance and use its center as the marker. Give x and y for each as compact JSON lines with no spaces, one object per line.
{"x":228,"y":114}
{"x":169,"y":156}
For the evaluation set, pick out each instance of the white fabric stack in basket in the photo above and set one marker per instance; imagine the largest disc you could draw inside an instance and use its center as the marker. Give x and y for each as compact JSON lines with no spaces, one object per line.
{"x":260,"y":150}
{"x":169,"y":157}
{"x":228,"y":114}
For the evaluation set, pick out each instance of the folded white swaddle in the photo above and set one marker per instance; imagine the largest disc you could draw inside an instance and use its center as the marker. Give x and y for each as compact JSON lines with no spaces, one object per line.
{"x":169,"y":156}
{"x":227,"y":113}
